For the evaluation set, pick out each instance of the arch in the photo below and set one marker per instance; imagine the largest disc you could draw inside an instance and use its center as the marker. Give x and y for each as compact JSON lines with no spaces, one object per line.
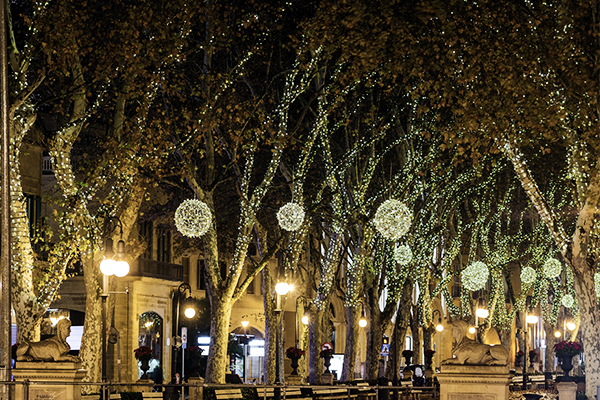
{"x":151,"y":335}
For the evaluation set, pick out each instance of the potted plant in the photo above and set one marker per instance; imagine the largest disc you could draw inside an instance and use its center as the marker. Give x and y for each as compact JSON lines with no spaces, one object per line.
{"x":565,"y":351}
{"x":194,"y":352}
{"x":294,"y":354}
{"x":408,"y":354}
{"x":326,"y":355}
{"x":143,"y":354}
{"x":429,"y":358}
{"x":532,"y":355}
{"x":518,"y":358}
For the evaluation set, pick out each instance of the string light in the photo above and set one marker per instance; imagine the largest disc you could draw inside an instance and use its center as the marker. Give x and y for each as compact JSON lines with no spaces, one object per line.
{"x":193,"y":218}
{"x":568,"y":301}
{"x":290,"y":216}
{"x":475,"y":276}
{"x":552,"y":268}
{"x":403,"y":254}
{"x":528,"y":275}
{"x":392,"y":219}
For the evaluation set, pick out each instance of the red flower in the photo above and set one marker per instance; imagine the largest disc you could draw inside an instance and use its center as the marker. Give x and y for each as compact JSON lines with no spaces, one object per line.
{"x":294,"y":353}
{"x":328,"y":353}
{"x":407,"y":353}
{"x":567,"y":348}
{"x":520,"y":353}
{"x":429,"y":352}
{"x":143,"y":353}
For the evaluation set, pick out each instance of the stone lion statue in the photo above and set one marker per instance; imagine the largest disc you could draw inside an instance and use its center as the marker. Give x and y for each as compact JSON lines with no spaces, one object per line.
{"x":54,"y":349}
{"x":469,"y":351}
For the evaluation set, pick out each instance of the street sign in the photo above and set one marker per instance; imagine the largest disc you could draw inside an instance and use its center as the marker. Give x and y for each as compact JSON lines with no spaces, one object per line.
{"x":326,"y":346}
{"x":385,"y":350}
{"x":184,"y":337}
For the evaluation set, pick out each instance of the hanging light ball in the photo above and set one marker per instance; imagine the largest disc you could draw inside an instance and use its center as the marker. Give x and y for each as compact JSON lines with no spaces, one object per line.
{"x":568,"y":301}
{"x":597,"y":283}
{"x":552,"y":268}
{"x":475,"y":276}
{"x":392,"y":219}
{"x":193,"y":218}
{"x":403,"y":254}
{"x":528,"y":275}
{"x":290,"y":216}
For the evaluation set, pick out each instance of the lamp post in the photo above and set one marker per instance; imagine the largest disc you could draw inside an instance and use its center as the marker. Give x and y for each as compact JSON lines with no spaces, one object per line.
{"x":529,"y":319}
{"x":282,"y":288}
{"x":439,"y":326}
{"x":112,"y":264}
{"x":245,"y":343}
{"x":189,"y":312}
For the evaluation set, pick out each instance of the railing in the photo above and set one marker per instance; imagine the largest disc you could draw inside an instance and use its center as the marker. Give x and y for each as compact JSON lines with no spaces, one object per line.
{"x":158,"y":269}
{"x":36,"y":390}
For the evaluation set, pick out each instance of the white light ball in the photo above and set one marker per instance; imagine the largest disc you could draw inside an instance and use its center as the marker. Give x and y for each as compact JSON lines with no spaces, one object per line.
{"x":193,"y":218}
{"x":392,"y":219}
{"x":475,"y":276}
{"x":189,"y":312}
{"x":290,"y":217}
{"x":552,"y":268}
{"x":282,"y":288}
{"x":121,"y":268}
{"x":107,"y":266}
{"x":568,"y":301}
{"x":403,"y":255}
{"x":528,"y":275}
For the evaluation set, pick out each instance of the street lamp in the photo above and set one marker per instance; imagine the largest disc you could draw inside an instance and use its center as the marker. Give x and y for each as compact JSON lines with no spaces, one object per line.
{"x":362,"y":322}
{"x":245,"y":343}
{"x":189,"y":312}
{"x":282,"y":289}
{"x":529,"y":319}
{"x":112,"y":264}
{"x":439,"y":326}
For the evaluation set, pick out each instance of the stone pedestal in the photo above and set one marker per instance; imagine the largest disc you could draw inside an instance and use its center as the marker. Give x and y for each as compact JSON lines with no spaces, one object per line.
{"x":474,"y":382}
{"x":293,"y":380}
{"x":567,"y":390}
{"x":42,"y":372}
{"x":148,"y":384}
{"x":327,"y":378}
{"x":196,"y":393}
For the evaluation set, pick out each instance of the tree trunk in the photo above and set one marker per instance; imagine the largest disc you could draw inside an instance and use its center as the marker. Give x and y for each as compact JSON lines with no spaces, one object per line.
{"x":302,"y":339}
{"x":549,"y":354}
{"x":270,"y":323}
{"x":217,"y":362}
{"x":374,"y":342}
{"x":315,"y":335}
{"x":91,"y":347}
{"x":352,"y":332}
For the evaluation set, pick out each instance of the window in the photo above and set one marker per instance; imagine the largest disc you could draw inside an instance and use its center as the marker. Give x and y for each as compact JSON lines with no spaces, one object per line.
{"x":163,"y":247}
{"x":185,"y":261}
{"x":146,"y":233}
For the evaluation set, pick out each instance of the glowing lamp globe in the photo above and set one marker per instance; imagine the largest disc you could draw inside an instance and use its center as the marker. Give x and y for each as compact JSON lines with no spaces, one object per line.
{"x":282,"y":288}
{"x":557,"y":334}
{"x":571,"y":326}
{"x":439,"y":327}
{"x":193,"y":218}
{"x":472,"y":330}
{"x":305,"y":320}
{"x":108,"y":266}
{"x":189,"y":312}
{"x":290,"y":217}
{"x":121,"y":268}
{"x":392,"y":219}
{"x":245,"y":323}
{"x":362,"y":323}
{"x":532,"y":319}
{"x":482,"y":313}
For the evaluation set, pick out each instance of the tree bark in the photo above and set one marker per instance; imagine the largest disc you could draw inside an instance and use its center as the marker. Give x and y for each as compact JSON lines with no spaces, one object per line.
{"x":352,"y":332}
{"x":315,"y":334}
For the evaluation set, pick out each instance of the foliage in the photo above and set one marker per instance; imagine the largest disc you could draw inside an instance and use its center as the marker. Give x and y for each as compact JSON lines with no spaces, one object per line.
{"x":407,"y":353}
{"x":567,"y":348}
{"x":327,"y":353}
{"x":429,"y":352}
{"x":143,"y":353}
{"x":294,"y":353}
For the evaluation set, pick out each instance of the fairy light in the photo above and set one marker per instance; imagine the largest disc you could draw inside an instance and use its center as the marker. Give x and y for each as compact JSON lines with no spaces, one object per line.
{"x":392,"y":219}
{"x":552,"y":268}
{"x":290,"y":216}
{"x":475,"y":276}
{"x":568,"y":301}
{"x":403,"y":255}
{"x":193,"y":218}
{"x":528,"y":275}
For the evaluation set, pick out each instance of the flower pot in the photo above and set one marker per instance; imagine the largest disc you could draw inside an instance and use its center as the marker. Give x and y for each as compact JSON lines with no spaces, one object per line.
{"x":145,"y":366}
{"x":327,"y":362}
{"x":566,"y":364}
{"x":294,"y":365}
{"x":428,"y":361}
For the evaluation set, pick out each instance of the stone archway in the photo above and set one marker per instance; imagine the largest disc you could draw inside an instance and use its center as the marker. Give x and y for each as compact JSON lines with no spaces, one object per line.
{"x":151,"y":335}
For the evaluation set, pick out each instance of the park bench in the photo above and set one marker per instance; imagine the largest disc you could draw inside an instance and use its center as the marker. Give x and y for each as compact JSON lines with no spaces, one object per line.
{"x":333,"y":394}
{"x":287,"y":393}
{"x":365,"y":391}
{"x":228,"y":394}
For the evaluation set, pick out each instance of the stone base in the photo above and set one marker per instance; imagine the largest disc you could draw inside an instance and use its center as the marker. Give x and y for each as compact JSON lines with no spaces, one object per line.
{"x":49,"y":372}
{"x":149,"y":383}
{"x":196,"y":393}
{"x":567,"y":390}
{"x":293,"y":379}
{"x":474,"y":382}
{"x":327,"y":378}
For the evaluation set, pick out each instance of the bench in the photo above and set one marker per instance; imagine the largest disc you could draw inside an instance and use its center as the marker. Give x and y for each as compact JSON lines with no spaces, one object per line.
{"x":286,"y":393}
{"x":365,"y":391}
{"x":227,"y":394}
{"x":333,"y":394}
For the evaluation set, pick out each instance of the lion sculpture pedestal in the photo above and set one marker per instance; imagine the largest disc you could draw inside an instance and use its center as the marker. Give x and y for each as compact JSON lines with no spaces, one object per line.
{"x":66,"y":378}
{"x":476,"y":371}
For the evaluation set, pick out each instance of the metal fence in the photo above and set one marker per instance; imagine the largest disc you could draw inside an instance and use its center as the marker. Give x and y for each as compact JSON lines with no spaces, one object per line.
{"x":60,"y":390}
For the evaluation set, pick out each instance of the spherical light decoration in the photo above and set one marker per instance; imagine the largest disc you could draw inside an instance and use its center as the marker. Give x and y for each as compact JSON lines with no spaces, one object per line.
{"x":392,"y":219}
{"x":475,"y":276}
{"x":403,"y":255}
{"x":189,"y":312}
{"x":193,"y":218}
{"x":597,"y":283}
{"x":528,"y":275}
{"x":552,"y":268}
{"x":107,"y":266}
{"x":290,"y":217}
{"x":362,"y":322}
{"x":568,"y":301}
